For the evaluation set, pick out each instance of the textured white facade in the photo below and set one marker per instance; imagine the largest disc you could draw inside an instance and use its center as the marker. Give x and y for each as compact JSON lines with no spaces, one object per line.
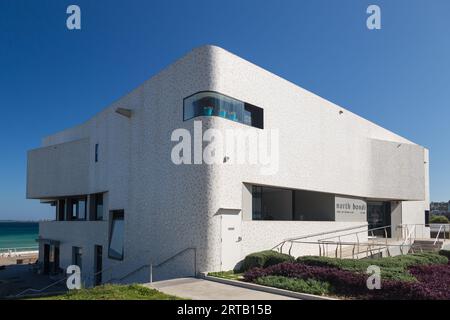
{"x":169,"y":208}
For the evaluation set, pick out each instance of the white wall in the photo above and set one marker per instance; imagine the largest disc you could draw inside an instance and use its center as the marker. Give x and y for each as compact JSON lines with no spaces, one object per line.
{"x":58,"y":170}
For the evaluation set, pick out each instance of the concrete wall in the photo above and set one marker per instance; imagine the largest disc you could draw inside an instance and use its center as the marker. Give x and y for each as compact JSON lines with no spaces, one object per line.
{"x":77,"y":234}
{"x":58,"y":170}
{"x":171,"y":207}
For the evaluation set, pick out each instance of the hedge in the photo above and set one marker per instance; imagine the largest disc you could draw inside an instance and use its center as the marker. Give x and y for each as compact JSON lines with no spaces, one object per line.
{"x":395,"y":268}
{"x":264,"y":259}
{"x":445,"y":253}
{"x":432,"y":281}
{"x":439,"y":219}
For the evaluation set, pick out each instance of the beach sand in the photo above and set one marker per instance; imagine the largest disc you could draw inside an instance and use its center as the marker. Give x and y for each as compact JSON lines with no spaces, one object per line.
{"x":25,"y":257}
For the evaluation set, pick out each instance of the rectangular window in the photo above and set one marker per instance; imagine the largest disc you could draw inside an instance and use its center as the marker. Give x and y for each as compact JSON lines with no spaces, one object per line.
{"x":427,"y":218}
{"x":96,"y":152}
{"x":61,"y":210}
{"x":98,"y":206}
{"x":77,"y":253}
{"x":116,"y":235}
{"x":98,"y":264}
{"x":272,"y":203}
{"x":209,"y":103}
{"x":79,"y":209}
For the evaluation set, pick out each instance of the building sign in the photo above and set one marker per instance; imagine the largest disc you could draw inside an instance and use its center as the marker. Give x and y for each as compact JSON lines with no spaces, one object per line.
{"x":350,"y":209}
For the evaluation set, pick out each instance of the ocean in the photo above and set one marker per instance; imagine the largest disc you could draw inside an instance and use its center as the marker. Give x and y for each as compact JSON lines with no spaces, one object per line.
{"x":19,"y":235}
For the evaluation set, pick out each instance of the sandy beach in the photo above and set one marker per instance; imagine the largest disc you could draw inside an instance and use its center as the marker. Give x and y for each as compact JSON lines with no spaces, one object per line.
{"x":24,"y":257}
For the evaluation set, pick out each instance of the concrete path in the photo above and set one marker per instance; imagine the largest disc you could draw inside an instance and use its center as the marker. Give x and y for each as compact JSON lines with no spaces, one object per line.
{"x":200,"y":289}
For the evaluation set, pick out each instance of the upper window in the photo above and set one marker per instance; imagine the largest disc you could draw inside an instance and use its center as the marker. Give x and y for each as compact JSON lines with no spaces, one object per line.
{"x":116,"y":235}
{"x":215,"y":104}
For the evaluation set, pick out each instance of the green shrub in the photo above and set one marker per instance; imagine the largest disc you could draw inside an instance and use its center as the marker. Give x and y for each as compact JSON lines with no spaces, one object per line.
{"x":395,"y":268}
{"x":310,"y":286}
{"x":264,"y":259}
{"x":439,"y":219}
{"x":445,"y":253}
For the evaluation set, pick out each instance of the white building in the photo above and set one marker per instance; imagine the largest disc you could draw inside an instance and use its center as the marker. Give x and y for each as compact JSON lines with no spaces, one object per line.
{"x":121,"y":202}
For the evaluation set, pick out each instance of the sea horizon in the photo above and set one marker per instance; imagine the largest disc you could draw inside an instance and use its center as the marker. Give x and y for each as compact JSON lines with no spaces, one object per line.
{"x":18,"y":235}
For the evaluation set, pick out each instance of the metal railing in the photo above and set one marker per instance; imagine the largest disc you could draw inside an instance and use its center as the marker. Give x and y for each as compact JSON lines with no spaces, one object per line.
{"x":280,"y":246}
{"x":37,"y":291}
{"x":378,"y":239}
{"x":355,"y":249}
{"x":151,"y":266}
{"x":428,"y":229}
{"x":357,"y":244}
{"x":91,"y":278}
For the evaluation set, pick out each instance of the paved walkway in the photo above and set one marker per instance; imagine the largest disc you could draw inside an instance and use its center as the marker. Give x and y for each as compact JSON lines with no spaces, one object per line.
{"x":200,"y":289}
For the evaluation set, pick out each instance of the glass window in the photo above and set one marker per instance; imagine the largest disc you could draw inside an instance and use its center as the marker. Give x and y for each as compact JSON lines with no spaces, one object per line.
{"x":115,"y":250}
{"x":79,"y":209}
{"x":76,"y":256}
{"x":98,"y":206}
{"x":272,"y":203}
{"x":82,"y":209}
{"x":96,"y":152}
{"x":219,"y":105}
{"x":61,"y":210}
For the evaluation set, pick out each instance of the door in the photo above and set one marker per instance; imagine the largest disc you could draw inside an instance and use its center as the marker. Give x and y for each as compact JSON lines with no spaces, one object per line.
{"x":231,"y":240}
{"x":46,"y":258}
{"x":379,"y":216}
{"x":98,"y":261}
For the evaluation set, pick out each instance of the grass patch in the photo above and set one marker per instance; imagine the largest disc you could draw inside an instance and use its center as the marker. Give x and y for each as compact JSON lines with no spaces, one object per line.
{"x":310,"y":286}
{"x":230,"y":275}
{"x":113,"y":292}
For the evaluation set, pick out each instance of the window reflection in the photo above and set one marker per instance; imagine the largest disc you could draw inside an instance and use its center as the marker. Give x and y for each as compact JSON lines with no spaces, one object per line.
{"x":116,"y":235}
{"x":215,"y":104}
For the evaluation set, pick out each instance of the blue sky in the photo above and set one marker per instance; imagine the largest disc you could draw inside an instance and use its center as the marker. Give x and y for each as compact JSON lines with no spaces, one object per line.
{"x":52,"y":78}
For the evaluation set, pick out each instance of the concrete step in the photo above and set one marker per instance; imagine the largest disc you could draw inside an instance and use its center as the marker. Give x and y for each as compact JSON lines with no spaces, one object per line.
{"x":426,"y":245}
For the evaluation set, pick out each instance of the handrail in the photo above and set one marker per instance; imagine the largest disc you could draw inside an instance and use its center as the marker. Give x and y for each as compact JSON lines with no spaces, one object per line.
{"x":160,"y":264}
{"x":442,"y":228}
{"x":337,"y":234}
{"x":40,"y":290}
{"x":357,"y":232}
{"x":437,"y":236}
{"x":92,"y":277}
{"x":317,"y":235}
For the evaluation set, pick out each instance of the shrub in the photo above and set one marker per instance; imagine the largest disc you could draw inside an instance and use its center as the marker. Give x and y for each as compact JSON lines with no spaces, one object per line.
{"x":342,"y":281}
{"x":434,"y":278}
{"x":264,"y":259}
{"x":395,"y":268}
{"x":433,"y":281}
{"x":439,"y":219}
{"x":310,"y":286}
{"x":445,"y":253}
